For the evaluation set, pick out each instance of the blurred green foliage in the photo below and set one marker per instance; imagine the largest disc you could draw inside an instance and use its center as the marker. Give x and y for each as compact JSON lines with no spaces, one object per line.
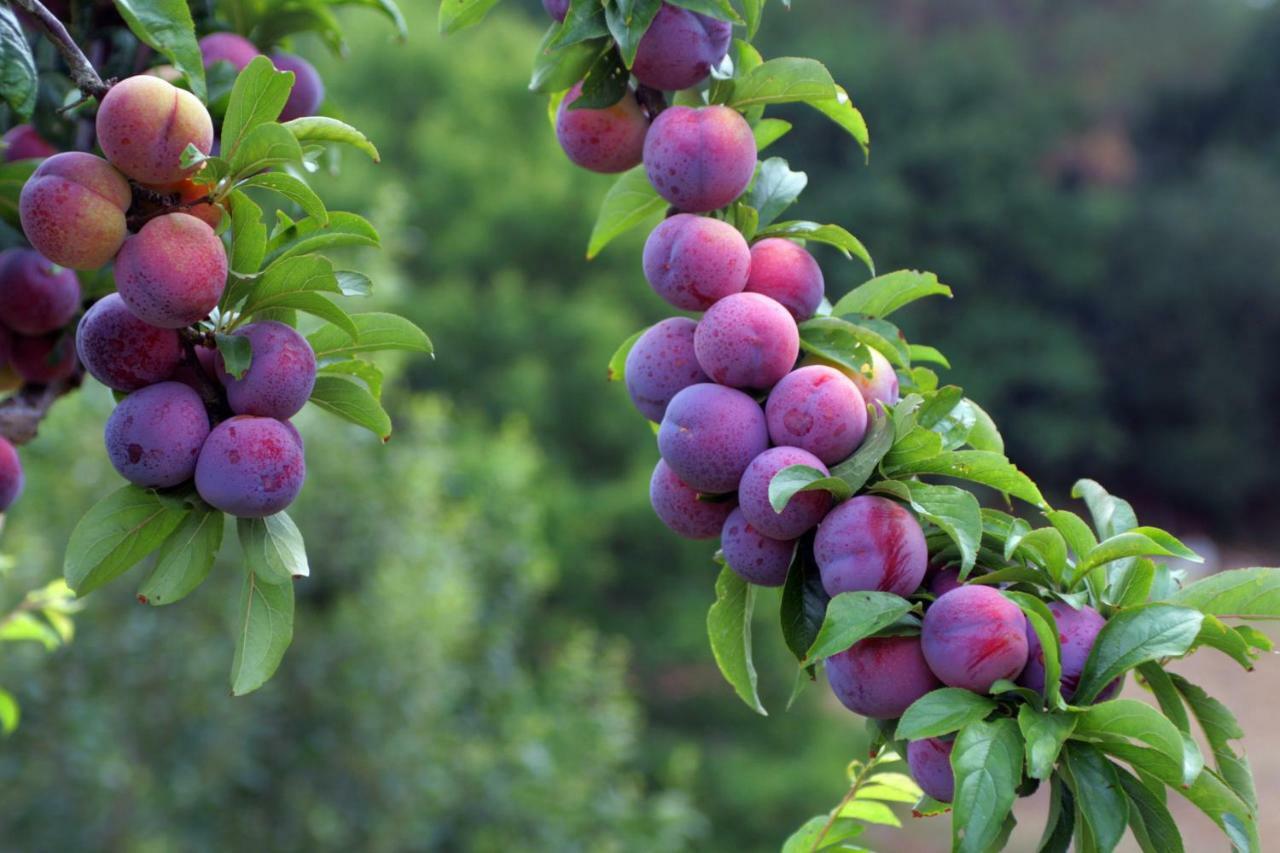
{"x":498,"y":643}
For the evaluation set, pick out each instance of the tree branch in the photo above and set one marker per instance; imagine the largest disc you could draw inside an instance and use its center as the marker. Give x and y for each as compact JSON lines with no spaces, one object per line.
{"x":82,"y":70}
{"x":22,"y":412}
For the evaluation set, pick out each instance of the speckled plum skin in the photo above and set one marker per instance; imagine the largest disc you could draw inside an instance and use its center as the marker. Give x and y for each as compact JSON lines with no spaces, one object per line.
{"x":699,"y":158}
{"x":154,"y":436}
{"x":973,"y":637}
{"x":73,"y":210}
{"x":871,"y":543}
{"x":677,"y":506}
{"x":818,"y":409}
{"x":557,"y":9}
{"x":36,"y":295}
{"x":43,"y":359}
{"x":250,"y":467}
{"x":172,"y":272}
{"x":880,"y":677}
{"x":784,"y":271}
{"x":661,"y":364}
{"x":747,"y":341}
{"x":1077,"y":629}
{"x":755,"y":557}
{"x":145,"y":123}
{"x":307,"y":93}
{"x":930,"y":763}
{"x":280,"y":376}
{"x":803,"y":511}
{"x":607,"y":140}
{"x":227,"y":47}
{"x":710,"y":434}
{"x":121,"y":351}
{"x":23,"y":142}
{"x":11,"y":477}
{"x":694,"y":261}
{"x":680,"y":48}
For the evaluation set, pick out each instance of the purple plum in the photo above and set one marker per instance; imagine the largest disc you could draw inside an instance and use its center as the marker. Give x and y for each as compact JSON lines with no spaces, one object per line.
{"x":710,"y":434}
{"x":755,"y":557}
{"x":694,"y":261}
{"x":820,"y":410}
{"x":154,"y":436}
{"x":747,"y":341}
{"x":803,"y":511}
{"x":973,"y":637}
{"x":678,"y":507}
{"x":661,"y":364}
{"x":871,"y":543}
{"x":880,"y":677}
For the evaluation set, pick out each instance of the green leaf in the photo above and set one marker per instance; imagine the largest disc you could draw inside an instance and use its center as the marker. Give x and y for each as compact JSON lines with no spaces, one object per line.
{"x":953,"y":510}
{"x":768,"y":131}
{"x":919,"y":444}
{"x":729,"y":629}
{"x":1236,"y":594}
{"x":325,"y":129}
{"x":273,"y":548}
{"x":388,"y":9}
{"x":1138,"y":542}
{"x":366,"y":371}
{"x":776,"y":188}
{"x":352,"y":402}
{"x":1044,"y":547}
{"x":353,"y":283}
{"x":1132,"y":637}
{"x":1074,"y":530}
{"x":617,"y":371}
{"x":258,"y":96}
{"x":783,"y":80}
{"x":987,"y":763}
{"x":721,"y":10}
{"x":9,"y":712}
{"x":628,"y":20}
{"x":858,"y":468}
{"x":979,"y":466}
{"x":1130,"y":718}
{"x":941,"y":712}
{"x":1111,"y":515}
{"x":13,"y":176}
{"x":1215,"y":634}
{"x":375,"y":332}
{"x":1166,"y":694}
{"x":556,"y":68}
{"x":266,"y":629}
{"x":17,"y":627}
{"x":604,"y":84}
{"x":1060,"y":824}
{"x":166,"y":26}
{"x":291,"y":188}
{"x":185,"y":559}
{"x":18,"y":76}
{"x":1044,"y":733}
{"x":457,"y":15}
{"x":754,"y":10}
{"x":262,"y":147}
{"x":1149,"y":818}
{"x":885,"y":294}
{"x":836,"y":339}
{"x":831,"y":235}
{"x":804,"y":602}
{"x":248,"y":237}
{"x":1042,"y":621}
{"x":297,"y":282}
{"x":984,"y":434}
{"x":114,"y":534}
{"x":1098,"y":794}
{"x":237,"y":353}
{"x":841,"y":110}
{"x":1220,"y":728}
{"x":306,"y":236}
{"x":794,"y":479}
{"x":816,"y":831}
{"x":853,"y":616}
{"x":630,"y":202}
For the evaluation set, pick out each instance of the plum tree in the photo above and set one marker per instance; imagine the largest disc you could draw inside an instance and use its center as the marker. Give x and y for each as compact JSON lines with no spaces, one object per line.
{"x":694,"y":261}
{"x":973,"y":636}
{"x":700,"y":158}
{"x":930,"y":763}
{"x":154,"y":436}
{"x":784,"y":271}
{"x":662,"y":363}
{"x":250,"y":467}
{"x":1077,"y":629}
{"x":747,"y":341}
{"x":24,"y":142}
{"x":227,"y":47}
{"x":121,"y":351}
{"x":280,"y":376}
{"x":678,"y":506}
{"x":680,"y":48}
{"x":36,"y":296}
{"x":819,"y":410}
{"x":602,"y":140}
{"x":73,"y":210}
{"x":880,"y":677}
{"x":145,"y":123}
{"x":755,"y":557}
{"x":307,"y":93}
{"x":172,"y":272}
{"x":710,"y":434}
{"x":12,"y":478}
{"x":802,"y":512}
{"x":870,"y":543}
{"x":43,"y":359}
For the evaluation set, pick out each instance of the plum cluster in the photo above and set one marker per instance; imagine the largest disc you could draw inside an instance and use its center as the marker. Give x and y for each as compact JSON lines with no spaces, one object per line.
{"x":182,"y":415}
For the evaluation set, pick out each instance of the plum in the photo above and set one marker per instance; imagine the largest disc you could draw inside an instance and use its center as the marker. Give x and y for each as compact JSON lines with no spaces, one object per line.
{"x":280,"y":376}
{"x":784,"y":271}
{"x":11,"y":477}
{"x":43,"y":359}
{"x":23,"y":142}
{"x":710,"y":434}
{"x":870,"y":543}
{"x":145,"y":123}
{"x":973,"y":636}
{"x":250,"y":467}
{"x":803,"y":511}
{"x":73,"y":210}
{"x":747,"y":341}
{"x":606,"y":140}
{"x":228,"y":47}
{"x":1077,"y":629}
{"x":694,"y":261}
{"x":36,"y":295}
{"x":172,"y":272}
{"x":699,"y":158}
{"x":930,"y":763}
{"x":755,"y":557}
{"x":307,"y":93}
{"x":680,"y":48}
{"x":818,"y":409}
{"x":121,"y":351}
{"x":154,"y":436}
{"x":880,"y":677}
{"x":679,"y":508}
{"x":661,"y":364}
{"x":944,"y":580}
{"x":557,"y":9}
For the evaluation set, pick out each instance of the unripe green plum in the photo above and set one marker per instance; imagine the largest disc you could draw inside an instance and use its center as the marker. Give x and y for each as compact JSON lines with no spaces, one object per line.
{"x":700,"y":158}
{"x":145,"y":123}
{"x":73,"y":210}
{"x":36,"y":296}
{"x":172,"y":272}
{"x":606,"y":140}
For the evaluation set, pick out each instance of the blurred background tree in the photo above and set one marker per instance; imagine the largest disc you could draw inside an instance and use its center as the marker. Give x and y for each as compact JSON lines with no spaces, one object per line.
{"x":499,"y":643}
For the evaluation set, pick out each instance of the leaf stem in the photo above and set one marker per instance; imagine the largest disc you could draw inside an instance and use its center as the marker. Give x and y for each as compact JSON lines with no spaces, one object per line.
{"x":82,"y":70}
{"x":848,"y":798}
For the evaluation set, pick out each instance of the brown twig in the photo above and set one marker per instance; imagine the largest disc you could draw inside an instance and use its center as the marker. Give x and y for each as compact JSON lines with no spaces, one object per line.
{"x":82,"y":71}
{"x":22,"y":412}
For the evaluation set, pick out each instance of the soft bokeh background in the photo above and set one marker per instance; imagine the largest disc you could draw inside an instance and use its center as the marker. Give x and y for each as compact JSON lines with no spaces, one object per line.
{"x":500,"y":648}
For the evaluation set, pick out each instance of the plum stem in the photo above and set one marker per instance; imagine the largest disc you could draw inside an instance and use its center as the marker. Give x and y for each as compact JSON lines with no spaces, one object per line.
{"x":22,"y":412}
{"x":82,"y":71}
